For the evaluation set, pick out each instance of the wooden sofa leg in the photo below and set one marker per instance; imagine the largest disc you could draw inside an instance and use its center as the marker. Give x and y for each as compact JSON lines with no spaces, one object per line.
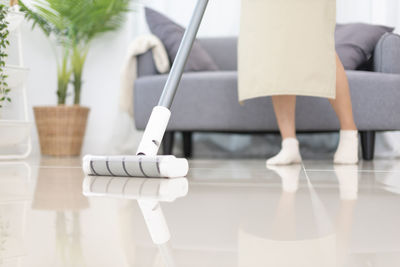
{"x":168,"y":142}
{"x":368,"y":144}
{"x":187,"y":144}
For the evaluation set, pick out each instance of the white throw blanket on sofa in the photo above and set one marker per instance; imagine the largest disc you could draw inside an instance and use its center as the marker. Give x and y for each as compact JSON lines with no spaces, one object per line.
{"x":126,"y":138}
{"x":139,"y":46}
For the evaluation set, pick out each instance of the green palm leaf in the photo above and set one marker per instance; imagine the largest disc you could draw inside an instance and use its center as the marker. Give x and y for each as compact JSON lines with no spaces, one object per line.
{"x":75,"y":23}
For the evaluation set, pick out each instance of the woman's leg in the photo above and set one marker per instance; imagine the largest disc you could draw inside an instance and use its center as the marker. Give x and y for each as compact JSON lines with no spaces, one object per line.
{"x":285,"y":108}
{"x":342,"y":104}
{"x":347,"y":152}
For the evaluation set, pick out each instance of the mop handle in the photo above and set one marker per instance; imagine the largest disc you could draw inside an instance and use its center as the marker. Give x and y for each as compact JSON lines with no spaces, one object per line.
{"x":178,"y":66}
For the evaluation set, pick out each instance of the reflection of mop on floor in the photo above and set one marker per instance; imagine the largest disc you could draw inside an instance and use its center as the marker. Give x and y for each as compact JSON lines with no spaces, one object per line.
{"x":137,"y":253}
{"x":149,"y":193}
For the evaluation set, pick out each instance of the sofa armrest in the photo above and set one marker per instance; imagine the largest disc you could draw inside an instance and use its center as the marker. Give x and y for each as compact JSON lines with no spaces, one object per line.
{"x":387,"y":54}
{"x":146,"y":65}
{"x":375,"y":100}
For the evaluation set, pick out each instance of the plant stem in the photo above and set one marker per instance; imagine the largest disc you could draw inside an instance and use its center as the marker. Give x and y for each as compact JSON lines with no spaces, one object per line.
{"x":78,"y":59}
{"x":77,"y":88}
{"x":64,"y":75}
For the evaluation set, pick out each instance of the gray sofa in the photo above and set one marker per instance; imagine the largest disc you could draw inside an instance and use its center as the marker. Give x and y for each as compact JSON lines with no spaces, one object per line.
{"x":208,"y":101}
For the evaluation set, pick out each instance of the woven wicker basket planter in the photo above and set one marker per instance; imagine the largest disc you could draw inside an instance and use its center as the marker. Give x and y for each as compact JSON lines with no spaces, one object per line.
{"x":61,"y":129}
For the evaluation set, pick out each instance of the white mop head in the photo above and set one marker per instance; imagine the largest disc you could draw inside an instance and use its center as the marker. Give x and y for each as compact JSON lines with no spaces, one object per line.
{"x":136,"y":166}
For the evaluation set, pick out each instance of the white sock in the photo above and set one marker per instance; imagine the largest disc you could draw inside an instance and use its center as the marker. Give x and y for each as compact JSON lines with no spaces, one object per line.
{"x":290,"y":176}
{"x":347,"y":151}
{"x":289,"y":154}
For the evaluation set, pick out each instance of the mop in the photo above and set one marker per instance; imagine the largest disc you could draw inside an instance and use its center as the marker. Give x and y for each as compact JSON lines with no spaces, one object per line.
{"x":146,"y":163}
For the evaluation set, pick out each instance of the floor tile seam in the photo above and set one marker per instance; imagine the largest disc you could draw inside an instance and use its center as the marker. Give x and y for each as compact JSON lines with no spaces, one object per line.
{"x":358,"y":171}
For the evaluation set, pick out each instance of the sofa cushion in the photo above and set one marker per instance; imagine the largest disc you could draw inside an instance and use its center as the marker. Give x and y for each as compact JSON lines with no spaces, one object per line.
{"x":355,"y":42}
{"x":171,"y":35}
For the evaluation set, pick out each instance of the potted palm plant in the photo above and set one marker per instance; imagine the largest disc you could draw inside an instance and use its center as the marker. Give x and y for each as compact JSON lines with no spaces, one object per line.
{"x":74,"y":24}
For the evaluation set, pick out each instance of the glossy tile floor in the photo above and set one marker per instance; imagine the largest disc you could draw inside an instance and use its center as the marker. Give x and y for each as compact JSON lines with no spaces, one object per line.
{"x":226,"y":213}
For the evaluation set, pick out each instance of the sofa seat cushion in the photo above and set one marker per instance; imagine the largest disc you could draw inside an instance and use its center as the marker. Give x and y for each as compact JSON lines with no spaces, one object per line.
{"x":208,"y":101}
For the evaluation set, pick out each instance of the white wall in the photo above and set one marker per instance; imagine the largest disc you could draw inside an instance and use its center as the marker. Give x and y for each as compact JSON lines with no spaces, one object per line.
{"x":386,"y":12}
{"x":105,"y":59}
{"x":222,"y":16}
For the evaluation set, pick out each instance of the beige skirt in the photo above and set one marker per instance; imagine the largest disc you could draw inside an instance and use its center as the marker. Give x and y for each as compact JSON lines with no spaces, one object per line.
{"x":287,"y":47}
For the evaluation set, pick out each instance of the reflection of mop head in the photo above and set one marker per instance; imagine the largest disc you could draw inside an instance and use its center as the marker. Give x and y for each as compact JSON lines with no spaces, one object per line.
{"x":135,"y":166}
{"x":139,"y":188}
